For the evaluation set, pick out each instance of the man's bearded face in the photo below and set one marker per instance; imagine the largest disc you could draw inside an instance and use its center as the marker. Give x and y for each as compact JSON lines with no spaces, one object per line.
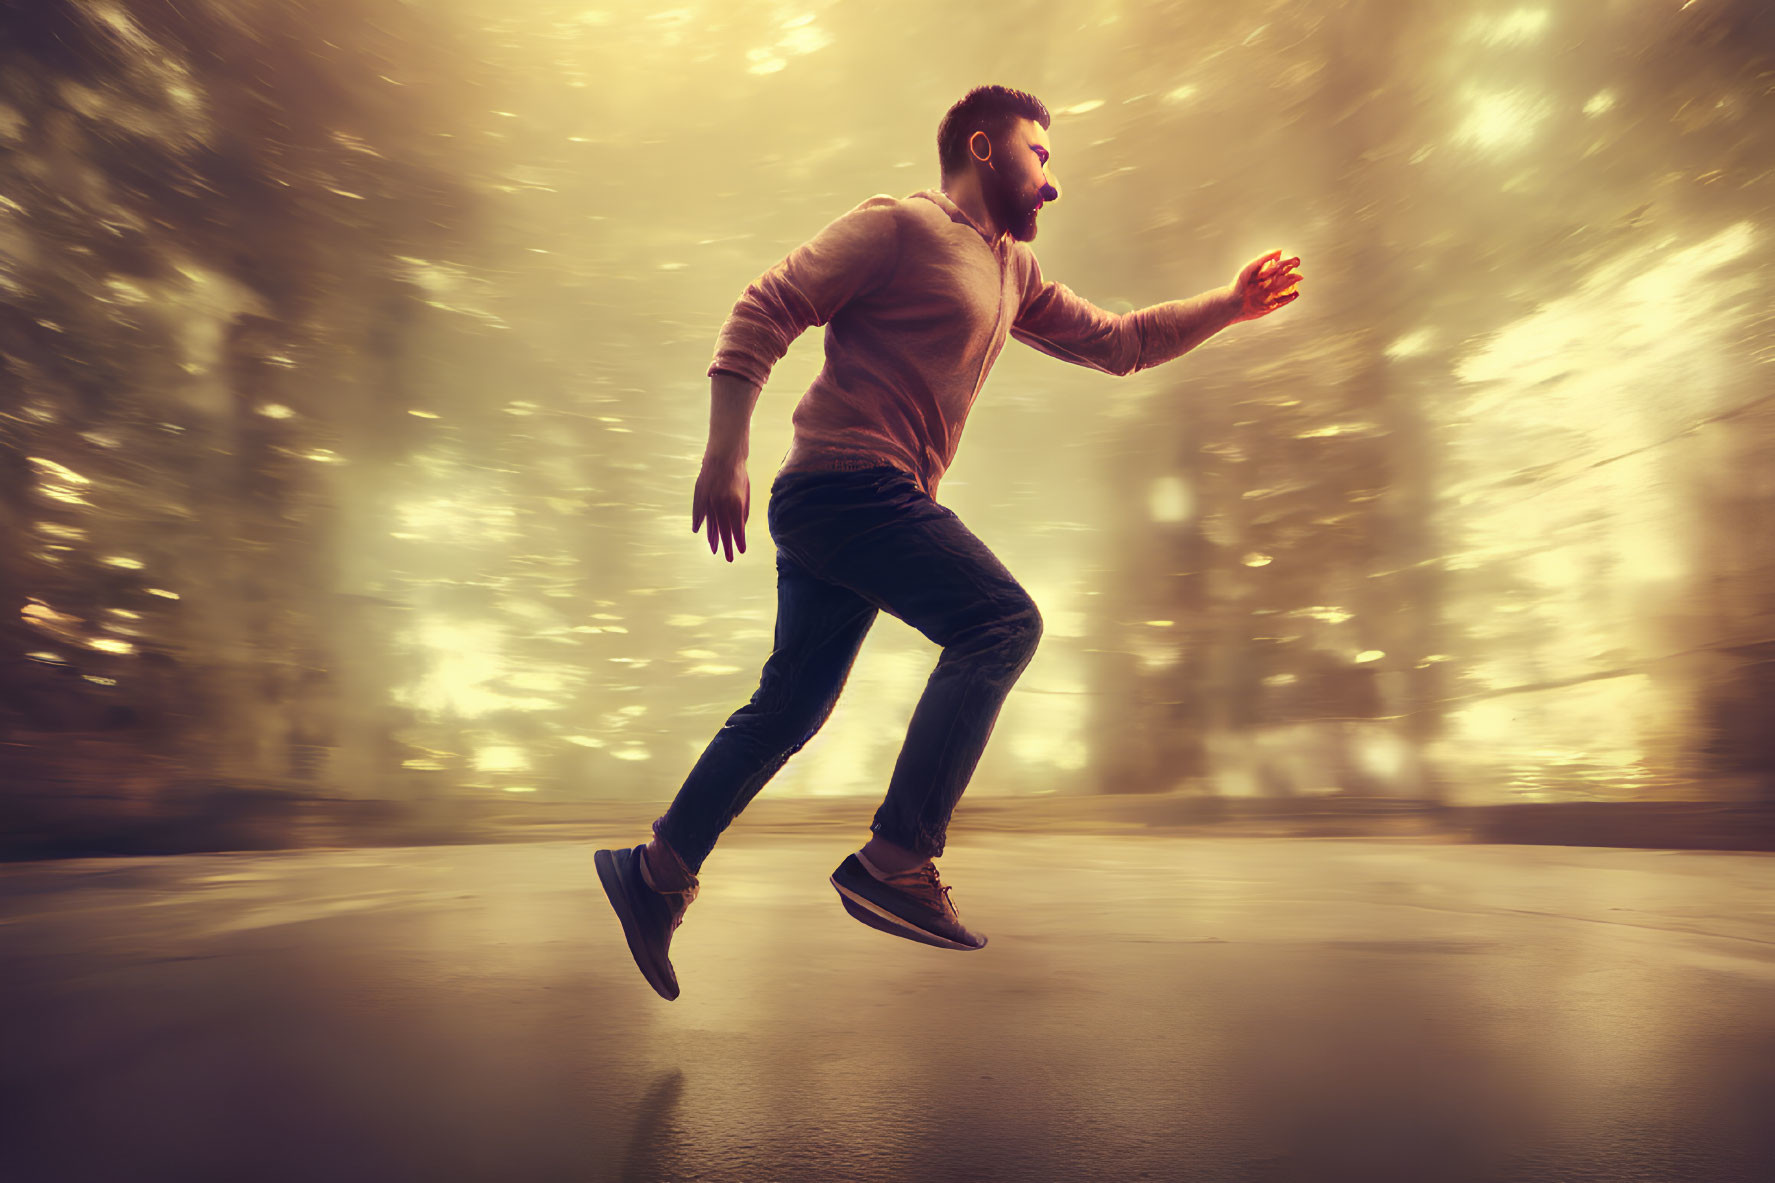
{"x":1013,"y":187}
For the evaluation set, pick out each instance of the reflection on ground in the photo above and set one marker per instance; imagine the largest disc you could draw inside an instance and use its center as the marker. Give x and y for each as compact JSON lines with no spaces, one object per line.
{"x":1149,"y":1007}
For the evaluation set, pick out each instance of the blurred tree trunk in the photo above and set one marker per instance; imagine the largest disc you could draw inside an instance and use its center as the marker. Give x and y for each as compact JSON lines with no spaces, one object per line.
{"x":1399,"y":601}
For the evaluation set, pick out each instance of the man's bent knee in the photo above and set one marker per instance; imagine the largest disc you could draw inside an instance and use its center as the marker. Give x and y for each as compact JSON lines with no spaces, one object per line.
{"x":1010,"y":637}
{"x":1026,"y":626}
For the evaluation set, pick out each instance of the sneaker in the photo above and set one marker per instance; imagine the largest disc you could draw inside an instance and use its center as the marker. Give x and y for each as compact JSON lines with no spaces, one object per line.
{"x":914,"y":905}
{"x":649,"y":917}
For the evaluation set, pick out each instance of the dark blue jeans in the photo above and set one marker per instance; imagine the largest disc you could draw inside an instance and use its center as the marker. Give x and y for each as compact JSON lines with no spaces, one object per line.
{"x":850,"y":545}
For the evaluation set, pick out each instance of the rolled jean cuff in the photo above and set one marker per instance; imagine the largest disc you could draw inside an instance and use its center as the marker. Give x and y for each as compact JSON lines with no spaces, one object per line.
{"x":666,"y":843}
{"x":929,"y":845}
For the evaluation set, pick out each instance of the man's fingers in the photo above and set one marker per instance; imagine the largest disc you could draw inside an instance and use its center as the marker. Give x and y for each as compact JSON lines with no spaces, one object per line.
{"x":725,"y":528}
{"x":723,"y":519}
{"x":1264,"y":269}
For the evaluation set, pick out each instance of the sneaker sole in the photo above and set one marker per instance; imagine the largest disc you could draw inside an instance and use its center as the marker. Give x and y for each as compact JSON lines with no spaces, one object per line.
{"x":617,"y":891}
{"x":875,"y":916}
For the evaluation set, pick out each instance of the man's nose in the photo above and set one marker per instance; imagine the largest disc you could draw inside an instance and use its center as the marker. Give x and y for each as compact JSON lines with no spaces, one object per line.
{"x":1049,"y":192}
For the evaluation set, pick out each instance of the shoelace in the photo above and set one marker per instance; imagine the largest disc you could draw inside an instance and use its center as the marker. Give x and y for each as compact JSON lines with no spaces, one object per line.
{"x":930,"y":885}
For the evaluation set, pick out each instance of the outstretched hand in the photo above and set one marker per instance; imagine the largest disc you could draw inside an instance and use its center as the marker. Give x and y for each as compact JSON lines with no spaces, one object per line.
{"x":1265,"y":284}
{"x":724,"y":496}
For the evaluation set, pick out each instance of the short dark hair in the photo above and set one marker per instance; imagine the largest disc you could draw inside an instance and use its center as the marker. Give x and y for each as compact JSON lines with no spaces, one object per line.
{"x":991,"y":109}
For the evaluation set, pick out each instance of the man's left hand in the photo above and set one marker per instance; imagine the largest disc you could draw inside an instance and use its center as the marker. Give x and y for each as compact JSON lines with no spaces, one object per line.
{"x":1264,"y":285}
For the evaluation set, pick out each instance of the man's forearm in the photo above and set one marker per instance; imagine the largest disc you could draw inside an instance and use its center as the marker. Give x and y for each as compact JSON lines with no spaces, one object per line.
{"x":1172,"y":329}
{"x":731,"y":399}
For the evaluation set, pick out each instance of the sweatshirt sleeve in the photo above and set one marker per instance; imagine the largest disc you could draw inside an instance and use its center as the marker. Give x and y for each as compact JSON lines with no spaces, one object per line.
{"x":854,"y":256}
{"x":1060,"y":323}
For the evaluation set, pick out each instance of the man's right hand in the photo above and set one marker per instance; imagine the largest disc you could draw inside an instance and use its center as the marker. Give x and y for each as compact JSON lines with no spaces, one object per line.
{"x":1264,"y":285}
{"x":723,"y":496}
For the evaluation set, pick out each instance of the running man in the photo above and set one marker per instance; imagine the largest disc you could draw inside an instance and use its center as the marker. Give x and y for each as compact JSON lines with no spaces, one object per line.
{"x":918,"y":295}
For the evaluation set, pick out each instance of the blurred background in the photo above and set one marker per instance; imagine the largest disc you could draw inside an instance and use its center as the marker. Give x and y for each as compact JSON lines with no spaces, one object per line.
{"x":352,"y":393}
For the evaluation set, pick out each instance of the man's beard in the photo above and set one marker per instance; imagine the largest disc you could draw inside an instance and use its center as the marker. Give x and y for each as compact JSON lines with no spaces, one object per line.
{"x":1017,"y":217}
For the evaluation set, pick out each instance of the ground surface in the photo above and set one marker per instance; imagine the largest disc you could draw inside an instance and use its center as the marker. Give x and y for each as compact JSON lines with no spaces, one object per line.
{"x":1149,"y":1007}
